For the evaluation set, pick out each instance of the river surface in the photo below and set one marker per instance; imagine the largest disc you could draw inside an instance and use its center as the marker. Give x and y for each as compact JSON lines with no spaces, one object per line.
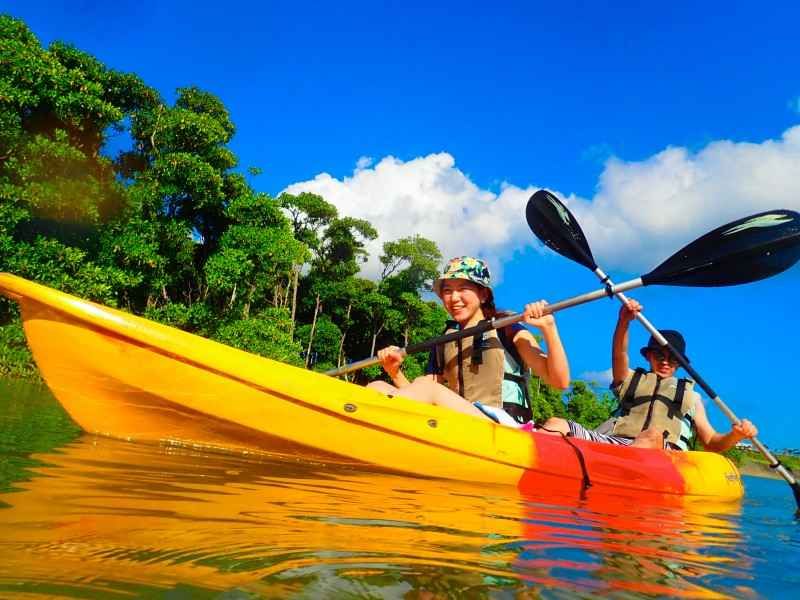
{"x":90,"y":517}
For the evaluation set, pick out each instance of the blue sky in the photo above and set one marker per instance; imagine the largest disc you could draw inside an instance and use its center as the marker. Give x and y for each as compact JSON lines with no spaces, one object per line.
{"x":655,"y":122}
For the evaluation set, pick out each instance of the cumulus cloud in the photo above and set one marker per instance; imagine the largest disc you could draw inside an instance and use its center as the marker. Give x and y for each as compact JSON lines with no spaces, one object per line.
{"x":431,"y":197}
{"x":364,"y":162}
{"x":643,"y":211}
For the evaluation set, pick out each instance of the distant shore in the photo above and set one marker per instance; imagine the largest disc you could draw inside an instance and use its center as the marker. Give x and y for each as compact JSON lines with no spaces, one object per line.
{"x":752,"y":463}
{"x":756,"y":469}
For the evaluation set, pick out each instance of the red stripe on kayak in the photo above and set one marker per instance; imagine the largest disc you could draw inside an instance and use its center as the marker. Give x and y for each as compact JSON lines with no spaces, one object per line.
{"x":607,"y":465}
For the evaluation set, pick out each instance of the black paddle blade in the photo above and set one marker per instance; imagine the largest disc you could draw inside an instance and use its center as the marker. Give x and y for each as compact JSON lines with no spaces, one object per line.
{"x":752,"y":248}
{"x":555,"y":226}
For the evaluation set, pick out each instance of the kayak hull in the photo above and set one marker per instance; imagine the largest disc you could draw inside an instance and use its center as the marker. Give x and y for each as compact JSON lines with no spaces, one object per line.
{"x":127,"y":377}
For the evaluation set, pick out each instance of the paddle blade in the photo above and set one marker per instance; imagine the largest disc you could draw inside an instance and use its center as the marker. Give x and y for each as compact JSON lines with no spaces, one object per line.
{"x":555,"y":226}
{"x":752,"y":248}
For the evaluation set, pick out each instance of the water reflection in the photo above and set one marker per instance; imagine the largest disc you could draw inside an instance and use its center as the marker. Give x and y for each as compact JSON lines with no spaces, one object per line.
{"x":109,"y":518}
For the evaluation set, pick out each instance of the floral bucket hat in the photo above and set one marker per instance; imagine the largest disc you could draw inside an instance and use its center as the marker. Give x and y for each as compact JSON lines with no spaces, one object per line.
{"x":465,"y":267}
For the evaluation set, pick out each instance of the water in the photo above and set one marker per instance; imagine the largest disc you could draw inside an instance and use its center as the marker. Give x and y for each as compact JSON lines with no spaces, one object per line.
{"x":89,"y":517}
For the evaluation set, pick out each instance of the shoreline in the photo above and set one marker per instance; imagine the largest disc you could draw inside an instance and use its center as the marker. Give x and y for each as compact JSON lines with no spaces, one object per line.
{"x":755,"y":469}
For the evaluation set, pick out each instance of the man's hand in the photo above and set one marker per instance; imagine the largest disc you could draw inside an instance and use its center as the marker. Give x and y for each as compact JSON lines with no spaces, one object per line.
{"x":629,"y":310}
{"x":745,"y":429}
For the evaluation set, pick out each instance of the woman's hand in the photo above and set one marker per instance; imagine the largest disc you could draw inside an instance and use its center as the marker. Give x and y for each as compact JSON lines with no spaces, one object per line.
{"x":391,"y":359}
{"x":535,"y":316}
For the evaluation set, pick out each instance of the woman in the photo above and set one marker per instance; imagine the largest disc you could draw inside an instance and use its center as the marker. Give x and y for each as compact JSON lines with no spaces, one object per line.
{"x":483,"y":376}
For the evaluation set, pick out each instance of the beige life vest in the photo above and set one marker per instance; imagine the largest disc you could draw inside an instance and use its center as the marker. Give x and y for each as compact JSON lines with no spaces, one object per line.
{"x":648,"y":401}
{"x":476,"y":379}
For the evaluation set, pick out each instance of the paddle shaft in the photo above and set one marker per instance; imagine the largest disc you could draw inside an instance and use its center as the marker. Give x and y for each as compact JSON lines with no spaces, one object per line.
{"x":491,"y":324}
{"x":774,"y":462}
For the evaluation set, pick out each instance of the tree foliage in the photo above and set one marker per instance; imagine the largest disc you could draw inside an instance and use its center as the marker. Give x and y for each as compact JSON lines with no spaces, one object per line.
{"x":167,"y":227}
{"x":585,"y":407}
{"x":580,"y":403}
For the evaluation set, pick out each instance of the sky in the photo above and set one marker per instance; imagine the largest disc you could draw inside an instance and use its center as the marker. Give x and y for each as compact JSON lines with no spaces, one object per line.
{"x":654,"y":122}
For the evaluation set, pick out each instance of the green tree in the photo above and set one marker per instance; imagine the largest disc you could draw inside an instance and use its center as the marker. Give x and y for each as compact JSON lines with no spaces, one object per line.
{"x":15,"y":358}
{"x":410,"y":264}
{"x":57,"y":190}
{"x":309,"y":215}
{"x":256,"y":256}
{"x":325,"y":346}
{"x":266,"y":333}
{"x":546,"y":401}
{"x":166,"y":228}
{"x":585,"y":407}
{"x":341,"y":250}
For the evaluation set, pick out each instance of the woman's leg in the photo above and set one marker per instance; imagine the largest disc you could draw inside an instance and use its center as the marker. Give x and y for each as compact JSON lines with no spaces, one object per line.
{"x":384,"y":388}
{"x":428,"y":391}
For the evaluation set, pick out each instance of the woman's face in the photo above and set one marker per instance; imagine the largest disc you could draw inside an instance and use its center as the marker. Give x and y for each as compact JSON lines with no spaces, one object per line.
{"x":462,"y":298}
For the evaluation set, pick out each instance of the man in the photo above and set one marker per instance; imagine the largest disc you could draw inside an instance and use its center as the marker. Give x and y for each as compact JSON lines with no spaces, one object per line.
{"x":656,"y":409}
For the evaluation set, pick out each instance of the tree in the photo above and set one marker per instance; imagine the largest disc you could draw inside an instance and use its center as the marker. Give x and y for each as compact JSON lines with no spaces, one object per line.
{"x":325,"y":347}
{"x":256,"y":255}
{"x":57,"y":191}
{"x":166,"y":228}
{"x":411,"y":263}
{"x":546,"y":401}
{"x":309,"y":214}
{"x":341,"y":250}
{"x":267,"y":334}
{"x":585,"y":407}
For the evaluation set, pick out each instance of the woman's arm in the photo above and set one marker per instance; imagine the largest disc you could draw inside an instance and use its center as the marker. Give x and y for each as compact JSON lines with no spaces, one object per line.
{"x":392,"y":361}
{"x":552,"y":366}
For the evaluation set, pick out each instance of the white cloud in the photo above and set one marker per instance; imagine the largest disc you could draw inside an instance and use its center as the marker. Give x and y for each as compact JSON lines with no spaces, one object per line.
{"x":600,"y":378}
{"x":429,"y":196}
{"x":643,"y":211}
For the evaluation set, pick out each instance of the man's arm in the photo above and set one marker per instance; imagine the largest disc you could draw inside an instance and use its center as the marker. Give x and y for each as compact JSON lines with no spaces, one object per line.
{"x":718,"y":442}
{"x":620,"y":364}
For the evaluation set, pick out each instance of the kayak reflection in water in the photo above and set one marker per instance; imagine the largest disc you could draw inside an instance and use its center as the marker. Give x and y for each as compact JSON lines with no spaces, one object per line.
{"x":656,"y":409}
{"x":486,"y":375}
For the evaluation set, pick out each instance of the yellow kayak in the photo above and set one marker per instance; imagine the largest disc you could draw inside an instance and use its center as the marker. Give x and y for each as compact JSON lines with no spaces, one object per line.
{"x":127,"y":377}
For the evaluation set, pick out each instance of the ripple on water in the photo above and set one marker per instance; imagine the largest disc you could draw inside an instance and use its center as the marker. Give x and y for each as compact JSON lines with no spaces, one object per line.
{"x":110,"y":519}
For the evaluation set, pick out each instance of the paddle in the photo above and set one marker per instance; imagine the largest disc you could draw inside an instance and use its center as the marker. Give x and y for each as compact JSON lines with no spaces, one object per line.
{"x":711,"y":260}
{"x":746,"y":250}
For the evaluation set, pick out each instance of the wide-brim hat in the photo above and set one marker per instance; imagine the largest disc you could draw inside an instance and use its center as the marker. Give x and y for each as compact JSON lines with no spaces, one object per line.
{"x":673,"y":337}
{"x":465,"y":267}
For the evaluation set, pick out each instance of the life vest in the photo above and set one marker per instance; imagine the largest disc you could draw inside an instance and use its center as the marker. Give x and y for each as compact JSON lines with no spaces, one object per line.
{"x":486,"y":368}
{"x":666,"y":405}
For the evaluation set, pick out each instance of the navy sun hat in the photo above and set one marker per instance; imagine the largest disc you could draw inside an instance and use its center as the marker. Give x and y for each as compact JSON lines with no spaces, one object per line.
{"x":673,"y":337}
